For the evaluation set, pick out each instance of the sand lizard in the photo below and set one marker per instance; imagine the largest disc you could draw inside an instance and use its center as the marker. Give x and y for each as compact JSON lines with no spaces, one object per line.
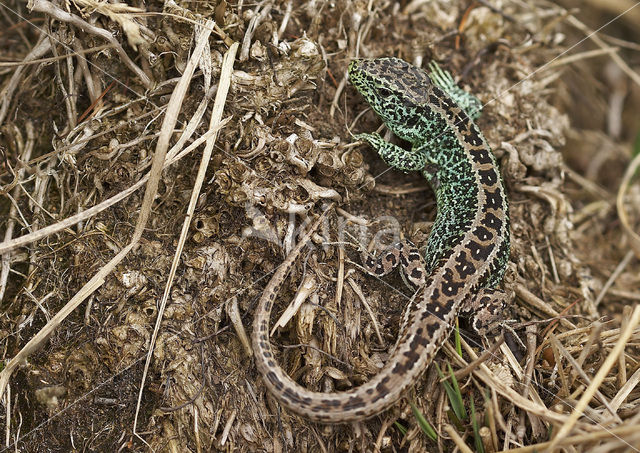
{"x":467,"y":249}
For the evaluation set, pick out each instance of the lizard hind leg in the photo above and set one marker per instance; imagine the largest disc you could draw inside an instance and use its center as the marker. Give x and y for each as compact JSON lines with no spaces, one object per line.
{"x":486,"y":310}
{"x":414,"y":275}
{"x":403,"y":253}
{"x":467,"y":101}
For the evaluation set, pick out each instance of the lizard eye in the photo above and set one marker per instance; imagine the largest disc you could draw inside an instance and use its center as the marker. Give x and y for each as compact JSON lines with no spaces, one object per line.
{"x":384,"y":92}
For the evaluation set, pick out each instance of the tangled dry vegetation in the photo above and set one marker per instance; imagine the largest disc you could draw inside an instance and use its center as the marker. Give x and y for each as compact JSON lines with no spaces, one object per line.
{"x":122,"y":329}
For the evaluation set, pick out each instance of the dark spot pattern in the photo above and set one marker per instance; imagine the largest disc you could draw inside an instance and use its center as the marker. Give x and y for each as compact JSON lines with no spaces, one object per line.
{"x":479,"y":252}
{"x":354,"y":402}
{"x":411,"y":356}
{"x":461,"y":122}
{"x":493,"y":199}
{"x":450,"y":285}
{"x":491,"y":221}
{"x":391,"y":258}
{"x":482,"y":233}
{"x":447,"y":305}
{"x":381,"y":388}
{"x":472,"y":136}
{"x":431,"y":328}
{"x":488,"y":177}
{"x":464,"y":267}
{"x":481,"y":156}
{"x":331,"y":403}
{"x":271,"y":377}
{"x":400,"y":367}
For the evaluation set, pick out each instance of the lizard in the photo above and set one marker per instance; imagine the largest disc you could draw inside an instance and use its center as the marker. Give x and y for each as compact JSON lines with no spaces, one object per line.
{"x":467,"y":249}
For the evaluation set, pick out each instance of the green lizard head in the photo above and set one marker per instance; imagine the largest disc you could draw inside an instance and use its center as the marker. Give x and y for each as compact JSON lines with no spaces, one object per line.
{"x":396,"y":90}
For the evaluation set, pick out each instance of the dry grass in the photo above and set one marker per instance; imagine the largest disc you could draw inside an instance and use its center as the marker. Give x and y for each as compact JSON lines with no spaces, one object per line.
{"x":125,"y":311}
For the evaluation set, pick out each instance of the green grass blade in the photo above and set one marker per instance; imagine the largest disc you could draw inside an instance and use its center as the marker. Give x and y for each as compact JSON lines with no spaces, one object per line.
{"x":423,"y":423}
{"x":456,"y":337}
{"x":456,"y":401}
{"x":476,"y":429}
{"x":454,"y":394}
{"x":401,"y":428}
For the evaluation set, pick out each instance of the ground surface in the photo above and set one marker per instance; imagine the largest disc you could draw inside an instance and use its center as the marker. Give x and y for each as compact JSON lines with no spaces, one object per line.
{"x":83,"y":117}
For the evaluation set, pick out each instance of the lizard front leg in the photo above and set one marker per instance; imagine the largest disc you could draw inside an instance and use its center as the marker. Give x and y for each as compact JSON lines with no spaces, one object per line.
{"x":395,"y":156}
{"x":404,"y":253}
